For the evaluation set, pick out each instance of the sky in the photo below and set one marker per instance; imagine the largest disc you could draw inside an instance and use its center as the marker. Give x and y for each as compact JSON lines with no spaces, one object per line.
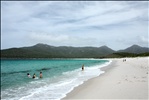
{"x":116,"y":24}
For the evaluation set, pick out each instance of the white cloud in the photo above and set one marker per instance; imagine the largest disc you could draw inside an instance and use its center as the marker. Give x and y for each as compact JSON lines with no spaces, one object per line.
{"x":62,"y":39}
{"x":74,"y":23}
{"x":142,"y":40}
{"x":48,"y":37}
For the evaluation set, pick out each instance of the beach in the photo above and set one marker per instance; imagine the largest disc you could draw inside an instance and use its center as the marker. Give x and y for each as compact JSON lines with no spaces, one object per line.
{"x":121,"y":80}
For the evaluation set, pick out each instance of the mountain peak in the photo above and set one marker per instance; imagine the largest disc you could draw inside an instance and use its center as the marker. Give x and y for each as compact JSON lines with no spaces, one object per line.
{"x":42,"y":45}
{"x":104,"y":46}
{"x":135,"y":49}
{"x":135,"y":45}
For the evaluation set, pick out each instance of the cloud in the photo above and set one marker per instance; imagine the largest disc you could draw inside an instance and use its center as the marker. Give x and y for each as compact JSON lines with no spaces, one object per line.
{"x":142,"y":40}
{"x":74,"y":23}
{"x":58,"y":40}
{"x":62,"y":17}
{"x":48,"y":37}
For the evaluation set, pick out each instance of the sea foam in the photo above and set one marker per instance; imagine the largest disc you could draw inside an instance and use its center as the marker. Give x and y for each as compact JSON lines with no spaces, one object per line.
{"x":64,"y":84}
{"x":55,"y":87}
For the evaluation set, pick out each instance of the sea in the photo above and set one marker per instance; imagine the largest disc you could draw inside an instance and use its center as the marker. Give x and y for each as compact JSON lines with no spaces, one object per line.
{"x":60,"y":76}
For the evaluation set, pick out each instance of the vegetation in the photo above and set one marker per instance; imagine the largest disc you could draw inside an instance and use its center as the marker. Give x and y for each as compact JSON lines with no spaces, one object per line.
{"x":125,"y":54}
{"x":47,"y":51}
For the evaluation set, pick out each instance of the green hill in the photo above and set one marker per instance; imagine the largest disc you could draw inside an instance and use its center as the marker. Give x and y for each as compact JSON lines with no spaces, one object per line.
{"x":47,"y":51}
{"x":135,"y":49}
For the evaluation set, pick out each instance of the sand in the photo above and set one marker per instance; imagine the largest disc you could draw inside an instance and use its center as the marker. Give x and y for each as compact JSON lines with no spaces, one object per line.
{"x":121,"y":80}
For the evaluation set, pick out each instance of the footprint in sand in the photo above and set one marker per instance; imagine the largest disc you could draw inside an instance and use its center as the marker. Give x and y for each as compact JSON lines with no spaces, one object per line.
{"x":144,"y":77}
{"x":143,"y":81}
{"x":119,"y":83}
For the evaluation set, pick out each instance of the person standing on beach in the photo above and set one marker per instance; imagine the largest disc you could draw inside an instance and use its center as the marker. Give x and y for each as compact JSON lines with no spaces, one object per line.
{"x":83,"y":67}
{"x":40,"y":74}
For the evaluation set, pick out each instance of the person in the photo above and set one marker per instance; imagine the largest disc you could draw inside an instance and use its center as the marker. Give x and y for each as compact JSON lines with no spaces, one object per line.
{"x":40,"y":74}
{"x":34,"y":76}
{"x":124,"y":60}
{"x":82,"y":67}
{"x":29,"y":76}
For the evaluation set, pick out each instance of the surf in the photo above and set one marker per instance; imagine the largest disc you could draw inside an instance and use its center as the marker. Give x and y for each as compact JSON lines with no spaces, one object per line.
{"x":59,"y":78}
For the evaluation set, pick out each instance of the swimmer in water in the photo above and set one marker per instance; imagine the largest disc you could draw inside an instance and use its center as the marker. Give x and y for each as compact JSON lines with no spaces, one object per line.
{"x":34,"y":76}
{"x":40,"y":74}
{"x":28,"y":75}
{"x":83,"y":67}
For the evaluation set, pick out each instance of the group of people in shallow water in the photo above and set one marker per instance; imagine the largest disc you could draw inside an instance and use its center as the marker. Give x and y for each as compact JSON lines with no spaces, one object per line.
{"x":34,"y":76}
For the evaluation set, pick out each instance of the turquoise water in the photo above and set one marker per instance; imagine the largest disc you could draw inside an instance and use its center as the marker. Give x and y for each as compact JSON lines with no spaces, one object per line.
{"x":60,"y":76}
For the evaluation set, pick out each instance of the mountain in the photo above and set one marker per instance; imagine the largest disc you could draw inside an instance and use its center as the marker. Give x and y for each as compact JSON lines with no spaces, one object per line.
{"x":135,"y":49}
{"x":47,"y":51}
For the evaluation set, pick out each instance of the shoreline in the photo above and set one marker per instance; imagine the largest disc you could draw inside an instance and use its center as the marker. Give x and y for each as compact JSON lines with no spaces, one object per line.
{"x":59,"y":78}
{"x":121,"y":80}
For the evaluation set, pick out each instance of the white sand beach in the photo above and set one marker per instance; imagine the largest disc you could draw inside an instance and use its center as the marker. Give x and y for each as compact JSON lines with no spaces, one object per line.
{"x":121,"y":80}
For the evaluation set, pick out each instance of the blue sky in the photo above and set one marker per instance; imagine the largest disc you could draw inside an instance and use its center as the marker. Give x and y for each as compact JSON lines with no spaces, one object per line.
{"x":116,"y":24}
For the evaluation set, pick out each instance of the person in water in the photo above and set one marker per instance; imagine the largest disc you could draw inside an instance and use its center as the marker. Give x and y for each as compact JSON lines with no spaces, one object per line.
{"x":82,"y":67}
{"x":34,"y":76}
{"x":40,"y":74}
{"x":29,"y":76}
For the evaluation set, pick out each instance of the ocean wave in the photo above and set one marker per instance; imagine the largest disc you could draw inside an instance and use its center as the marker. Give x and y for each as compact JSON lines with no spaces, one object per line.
{"x":55,"y":87}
